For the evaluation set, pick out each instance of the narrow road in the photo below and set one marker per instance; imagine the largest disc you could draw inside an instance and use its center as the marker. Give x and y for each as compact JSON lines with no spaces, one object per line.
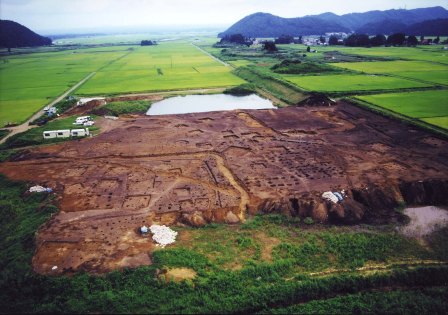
{"x":26,"y":126}
{"x":210,"y":55}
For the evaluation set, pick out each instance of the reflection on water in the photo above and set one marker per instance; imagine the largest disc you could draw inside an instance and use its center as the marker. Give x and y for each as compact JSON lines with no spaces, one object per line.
{"x":207,"y":103}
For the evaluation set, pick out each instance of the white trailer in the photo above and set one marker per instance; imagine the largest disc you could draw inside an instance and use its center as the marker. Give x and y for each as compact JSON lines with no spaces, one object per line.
{"x":80,"y":132}
{"x":63,"y":133}
{"x":50,"y":134}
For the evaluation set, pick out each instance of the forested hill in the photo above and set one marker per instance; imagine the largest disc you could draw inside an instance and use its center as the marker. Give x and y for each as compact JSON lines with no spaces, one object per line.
{"x":13,"y":34}
{"x":437,"y":27}
{"x":268,"y":25}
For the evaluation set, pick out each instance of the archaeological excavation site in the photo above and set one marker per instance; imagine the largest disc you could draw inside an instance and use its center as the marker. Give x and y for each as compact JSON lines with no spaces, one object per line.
{"x":222,"y":167}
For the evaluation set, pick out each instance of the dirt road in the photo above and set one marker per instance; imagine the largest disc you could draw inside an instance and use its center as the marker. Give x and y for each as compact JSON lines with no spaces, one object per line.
{"x":213,"y":57}
{"x":25,"y":126}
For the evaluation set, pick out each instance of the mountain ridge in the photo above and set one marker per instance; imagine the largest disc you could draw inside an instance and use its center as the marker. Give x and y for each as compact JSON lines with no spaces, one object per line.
{"x":263,"y":24}
{"x":14,"y":35}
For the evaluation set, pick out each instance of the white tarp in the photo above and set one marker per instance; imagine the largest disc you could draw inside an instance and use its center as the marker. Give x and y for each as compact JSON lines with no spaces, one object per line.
{"x":40,"y":189}
{"x":328,"y":195}
{"x":162,"y":234}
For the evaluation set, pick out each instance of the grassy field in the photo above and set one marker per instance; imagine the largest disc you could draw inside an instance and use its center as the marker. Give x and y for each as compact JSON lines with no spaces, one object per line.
{"x":29,"y":82}
{"x":429,"y":106}
{"x":351,"y":82}
{"x":262,"y":80}
{"x":424,"y":53}
{"x":167,"y":66}
{"x":427,"y":71}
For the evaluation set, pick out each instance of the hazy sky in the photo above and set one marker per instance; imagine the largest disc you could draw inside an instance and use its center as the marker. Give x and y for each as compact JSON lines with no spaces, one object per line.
{"x":65,"y":15}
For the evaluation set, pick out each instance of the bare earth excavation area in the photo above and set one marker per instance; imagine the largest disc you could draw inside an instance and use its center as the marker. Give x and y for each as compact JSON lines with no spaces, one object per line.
{"x":220,"y":167}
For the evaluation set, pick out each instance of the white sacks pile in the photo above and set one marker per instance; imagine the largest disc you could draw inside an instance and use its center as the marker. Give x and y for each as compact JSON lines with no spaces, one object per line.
{"x":40,"y":189}
{"x":328,"y":195}
{"x":162,"y":235}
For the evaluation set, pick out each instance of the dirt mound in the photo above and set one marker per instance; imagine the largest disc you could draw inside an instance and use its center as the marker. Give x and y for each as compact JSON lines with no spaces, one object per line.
{"x":218,"y":167}
{"x":317,"y":99}
{"x":85,"y":109}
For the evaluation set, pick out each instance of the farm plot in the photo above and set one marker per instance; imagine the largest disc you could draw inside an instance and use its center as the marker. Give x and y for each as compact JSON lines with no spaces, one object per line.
{"x":429,"y":106}
{"x":408,"y":53}
{"x":351,"y":83}
{"x":28,"y":82}
{"x":422,"y":70}
{"x":167,"y":66}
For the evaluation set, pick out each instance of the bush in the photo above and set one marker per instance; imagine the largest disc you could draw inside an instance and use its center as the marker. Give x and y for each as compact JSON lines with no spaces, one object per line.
{"x":299,"y":67}
{"x":241,"y":90}
{"x":125,"y":107}
{"x":308,"y":220}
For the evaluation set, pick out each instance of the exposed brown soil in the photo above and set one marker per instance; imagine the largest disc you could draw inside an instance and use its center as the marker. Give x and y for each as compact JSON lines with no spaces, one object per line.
{"x":220,"y":167}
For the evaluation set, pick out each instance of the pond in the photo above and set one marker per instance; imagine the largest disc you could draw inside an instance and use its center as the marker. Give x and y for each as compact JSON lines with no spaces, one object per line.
{"x":207,"y":103}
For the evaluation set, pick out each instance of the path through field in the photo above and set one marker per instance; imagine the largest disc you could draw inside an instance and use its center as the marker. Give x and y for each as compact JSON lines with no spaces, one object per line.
{"x":26,"y":126}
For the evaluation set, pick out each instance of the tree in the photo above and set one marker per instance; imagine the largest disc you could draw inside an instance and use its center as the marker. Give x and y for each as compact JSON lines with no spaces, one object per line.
{"x":357,"y":40}
{"x":378,"y":40}
{"x":284,"y":39}
{"x":236,"y":39}
{"x":333,"y":40}
{"x":308,"y":49}
{"x":437,"y":40}
{"x":269,"y":46}
{"x":147,"y":43}
{"x":422,"y":38}
{"x":396,"y":39}
{"x":412,"y":40}
{"x":322,"y":39}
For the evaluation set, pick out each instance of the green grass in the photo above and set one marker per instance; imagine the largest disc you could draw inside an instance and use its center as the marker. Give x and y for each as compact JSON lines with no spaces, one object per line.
{"x":183,"y":67}
{"x":351,"y":83}
{"x":417,"y":301}
{"x":125,"y":107}
{"x":34,"y":136}
{"x":29,"y":82}
{"x":427,"y":71}
{"x":4,"y":133}
{"x":279,"y":89}
{"x":304,"y":68}
{"x":425,"y":104}
{"x":392,"y":66}
{"x":437,"y":121}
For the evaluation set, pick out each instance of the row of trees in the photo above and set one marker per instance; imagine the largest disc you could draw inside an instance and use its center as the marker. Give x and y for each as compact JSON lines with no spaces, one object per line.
{"x":363,"y":40}
{"x":148,"y":43}
{"x":235,"y":39}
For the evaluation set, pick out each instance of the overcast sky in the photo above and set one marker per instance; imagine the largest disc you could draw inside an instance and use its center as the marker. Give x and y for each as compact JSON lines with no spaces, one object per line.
{"x":65,"y":15}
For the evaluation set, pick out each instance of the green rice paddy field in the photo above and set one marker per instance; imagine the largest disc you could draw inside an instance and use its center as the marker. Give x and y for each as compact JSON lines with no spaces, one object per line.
{"x":168,"y":66}
{"x":28,"y":82}
{"x":351,"y":82}
{"x":429,"y":106}
{"x":421,"y":70}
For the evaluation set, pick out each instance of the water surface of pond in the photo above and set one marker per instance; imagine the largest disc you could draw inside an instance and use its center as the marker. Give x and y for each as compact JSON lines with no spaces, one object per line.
{"x":207,"y":103}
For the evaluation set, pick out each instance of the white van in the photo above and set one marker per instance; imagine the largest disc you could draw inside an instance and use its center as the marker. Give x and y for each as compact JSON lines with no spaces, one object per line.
{"x":81,"y":120}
